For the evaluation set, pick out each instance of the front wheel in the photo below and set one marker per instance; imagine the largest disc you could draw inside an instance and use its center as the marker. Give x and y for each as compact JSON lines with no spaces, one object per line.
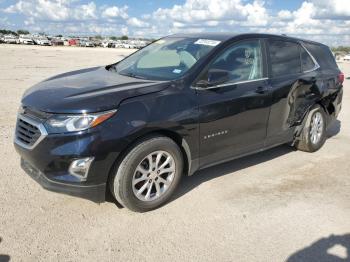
{"x":148,"y":175}
{"x":313,"y":135}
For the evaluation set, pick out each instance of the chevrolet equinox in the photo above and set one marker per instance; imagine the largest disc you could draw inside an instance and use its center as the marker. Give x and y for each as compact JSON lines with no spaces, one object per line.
{"x":183,"y":103}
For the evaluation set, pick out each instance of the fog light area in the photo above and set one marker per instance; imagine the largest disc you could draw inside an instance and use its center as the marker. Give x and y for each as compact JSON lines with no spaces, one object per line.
{"x":80,"y":168}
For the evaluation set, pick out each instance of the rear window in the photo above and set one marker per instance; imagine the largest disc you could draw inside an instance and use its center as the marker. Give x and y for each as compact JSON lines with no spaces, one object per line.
{"x":306,"y":61}
{"x":323,"y":55}
{"x":284,"y":57}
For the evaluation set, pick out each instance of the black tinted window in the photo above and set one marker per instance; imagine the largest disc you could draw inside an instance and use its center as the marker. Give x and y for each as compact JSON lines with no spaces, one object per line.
{"x":323,"y":55}
{"x":243,"y":61}
{"x":306,"y":61}
{"x":285,"y":58}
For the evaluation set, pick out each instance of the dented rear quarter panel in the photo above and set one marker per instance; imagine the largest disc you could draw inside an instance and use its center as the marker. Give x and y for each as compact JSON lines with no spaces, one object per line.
{"x":292,"y":97}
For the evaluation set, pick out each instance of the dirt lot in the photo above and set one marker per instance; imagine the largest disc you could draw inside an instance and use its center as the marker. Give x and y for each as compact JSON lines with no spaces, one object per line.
{"x":274,"y":206}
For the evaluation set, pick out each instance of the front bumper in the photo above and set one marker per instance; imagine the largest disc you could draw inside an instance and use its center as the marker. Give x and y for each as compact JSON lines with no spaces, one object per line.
{"x":49,"y":161}
{"x":95,"y":193}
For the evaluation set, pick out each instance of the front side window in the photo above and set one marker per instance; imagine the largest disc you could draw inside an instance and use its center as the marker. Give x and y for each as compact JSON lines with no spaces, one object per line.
{"x":165,"y":59}
{"x":285,"y":58}
{"x":242,"y":61}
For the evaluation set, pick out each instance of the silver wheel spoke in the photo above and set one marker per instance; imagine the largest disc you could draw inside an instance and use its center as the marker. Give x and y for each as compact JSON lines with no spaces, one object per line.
{"x":157,"y":188}
{"x":159,"y":156}
{"x":162,"y":180}
{"x":167,"y":170}
{"x":138,"y":180}
{"x":140,"y":191}
{"x":149,"y":189}
{"x":313,"y":138}
{"x":166,"y":162}
{"x":142,"y":170}
{"x":150,"y":162}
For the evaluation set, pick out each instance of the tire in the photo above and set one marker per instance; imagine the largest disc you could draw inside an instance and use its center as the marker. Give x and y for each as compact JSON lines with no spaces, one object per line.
{"x":145,"y":195}
{"x":313,"y":136}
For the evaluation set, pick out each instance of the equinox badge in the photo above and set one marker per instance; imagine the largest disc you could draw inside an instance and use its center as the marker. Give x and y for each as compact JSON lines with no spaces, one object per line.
{"x":219,"y":133}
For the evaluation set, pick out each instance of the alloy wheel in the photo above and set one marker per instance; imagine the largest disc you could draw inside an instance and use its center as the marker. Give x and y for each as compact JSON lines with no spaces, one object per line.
{"x":316,"y":129}
{"x":153,"y":176}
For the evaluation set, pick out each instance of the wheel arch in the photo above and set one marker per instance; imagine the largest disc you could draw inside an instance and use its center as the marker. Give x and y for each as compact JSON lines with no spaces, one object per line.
{"x":323,"y":104}
{"x":177,"y":138}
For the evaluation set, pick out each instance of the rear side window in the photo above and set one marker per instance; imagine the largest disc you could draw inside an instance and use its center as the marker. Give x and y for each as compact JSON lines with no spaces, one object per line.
{"x":284,"y":57}
{"x":323,"y":55}
{"x":306,"y":61}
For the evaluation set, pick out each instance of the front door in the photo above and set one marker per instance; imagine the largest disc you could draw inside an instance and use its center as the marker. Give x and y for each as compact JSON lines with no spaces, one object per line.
{"x":234,"y":115}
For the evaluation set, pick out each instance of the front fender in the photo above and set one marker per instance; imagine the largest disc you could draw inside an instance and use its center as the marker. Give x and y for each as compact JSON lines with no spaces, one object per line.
{"x":171,"y":112}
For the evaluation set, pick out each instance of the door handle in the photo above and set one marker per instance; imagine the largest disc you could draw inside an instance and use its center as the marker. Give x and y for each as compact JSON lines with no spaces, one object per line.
{"x":261,"y":90}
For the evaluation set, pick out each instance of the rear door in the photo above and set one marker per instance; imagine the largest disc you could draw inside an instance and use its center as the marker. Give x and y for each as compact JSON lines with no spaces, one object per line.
{"x":233,"y":115}
{"x":292,"y":75}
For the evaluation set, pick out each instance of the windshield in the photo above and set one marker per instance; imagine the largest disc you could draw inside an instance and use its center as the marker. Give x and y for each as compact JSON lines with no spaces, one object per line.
{"x":165,"y":59}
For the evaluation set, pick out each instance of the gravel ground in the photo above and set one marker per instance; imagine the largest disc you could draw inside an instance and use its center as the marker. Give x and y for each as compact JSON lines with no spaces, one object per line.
{"x":273,"y":206}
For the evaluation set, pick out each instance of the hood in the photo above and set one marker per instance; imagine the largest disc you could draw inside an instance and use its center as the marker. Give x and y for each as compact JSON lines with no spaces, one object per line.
{"x":87,"y":90}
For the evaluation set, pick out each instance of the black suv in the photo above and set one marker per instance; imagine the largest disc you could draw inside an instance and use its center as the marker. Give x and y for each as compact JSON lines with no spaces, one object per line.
{"x":183,"y":103}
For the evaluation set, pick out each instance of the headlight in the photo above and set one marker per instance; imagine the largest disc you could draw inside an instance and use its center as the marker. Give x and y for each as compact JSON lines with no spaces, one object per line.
{"x":71,"y":123}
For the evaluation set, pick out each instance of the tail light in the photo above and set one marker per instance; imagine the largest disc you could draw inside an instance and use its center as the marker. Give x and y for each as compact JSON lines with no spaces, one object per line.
{"x":341,"y":77}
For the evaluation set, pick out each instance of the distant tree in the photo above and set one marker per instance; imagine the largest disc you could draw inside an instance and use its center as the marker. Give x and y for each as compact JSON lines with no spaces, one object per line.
{"x":345,"y":49}
{"x":124,"y":37}
{"x":114,"y":38}
{"x":59,"y":35}
{"x":98,"y":37}
{"x":7,"y":32}
{"x":23,"y":32}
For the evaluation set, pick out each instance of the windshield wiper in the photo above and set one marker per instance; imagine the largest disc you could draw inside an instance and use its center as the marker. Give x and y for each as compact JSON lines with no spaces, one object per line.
{"x":132,"y":75}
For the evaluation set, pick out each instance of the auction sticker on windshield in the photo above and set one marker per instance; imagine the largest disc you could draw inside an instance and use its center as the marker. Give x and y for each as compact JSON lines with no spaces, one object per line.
{"x":207,"y":42}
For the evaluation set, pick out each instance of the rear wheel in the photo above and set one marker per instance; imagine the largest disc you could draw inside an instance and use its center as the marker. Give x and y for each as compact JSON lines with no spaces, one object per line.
{"x":313,"y":135}
{"x":148,"y":174}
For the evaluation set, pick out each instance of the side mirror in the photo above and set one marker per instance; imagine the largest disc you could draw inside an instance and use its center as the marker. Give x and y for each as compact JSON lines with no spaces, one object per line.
{"x":215,"y":77}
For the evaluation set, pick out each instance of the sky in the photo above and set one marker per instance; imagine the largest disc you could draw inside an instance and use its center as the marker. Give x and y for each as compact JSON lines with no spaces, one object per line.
{"x":327,"y":21}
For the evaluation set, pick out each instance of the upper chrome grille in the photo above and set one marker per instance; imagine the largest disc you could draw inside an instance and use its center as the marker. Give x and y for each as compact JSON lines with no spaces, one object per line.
{"x":26,"y":132}
{"x":29,"y":132}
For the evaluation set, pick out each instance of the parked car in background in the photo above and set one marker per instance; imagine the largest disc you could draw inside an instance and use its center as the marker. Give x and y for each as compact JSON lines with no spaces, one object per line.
{"x":347,"y":57}
{"x":181,"y":104}
{"x":11,"y":39}
{"x":73,"y":42}
{"x":26,"y":40}
{"x":108,"y":44}
{"x":86,"y":43}
{"x":89,"y":44}
{"x":42,"y":41}
{"x":57,"y":42}
{"x":105,"y":44}
{"x":2,"y":39}
{"x":128,"y":46}
{"x":96,"y":43}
